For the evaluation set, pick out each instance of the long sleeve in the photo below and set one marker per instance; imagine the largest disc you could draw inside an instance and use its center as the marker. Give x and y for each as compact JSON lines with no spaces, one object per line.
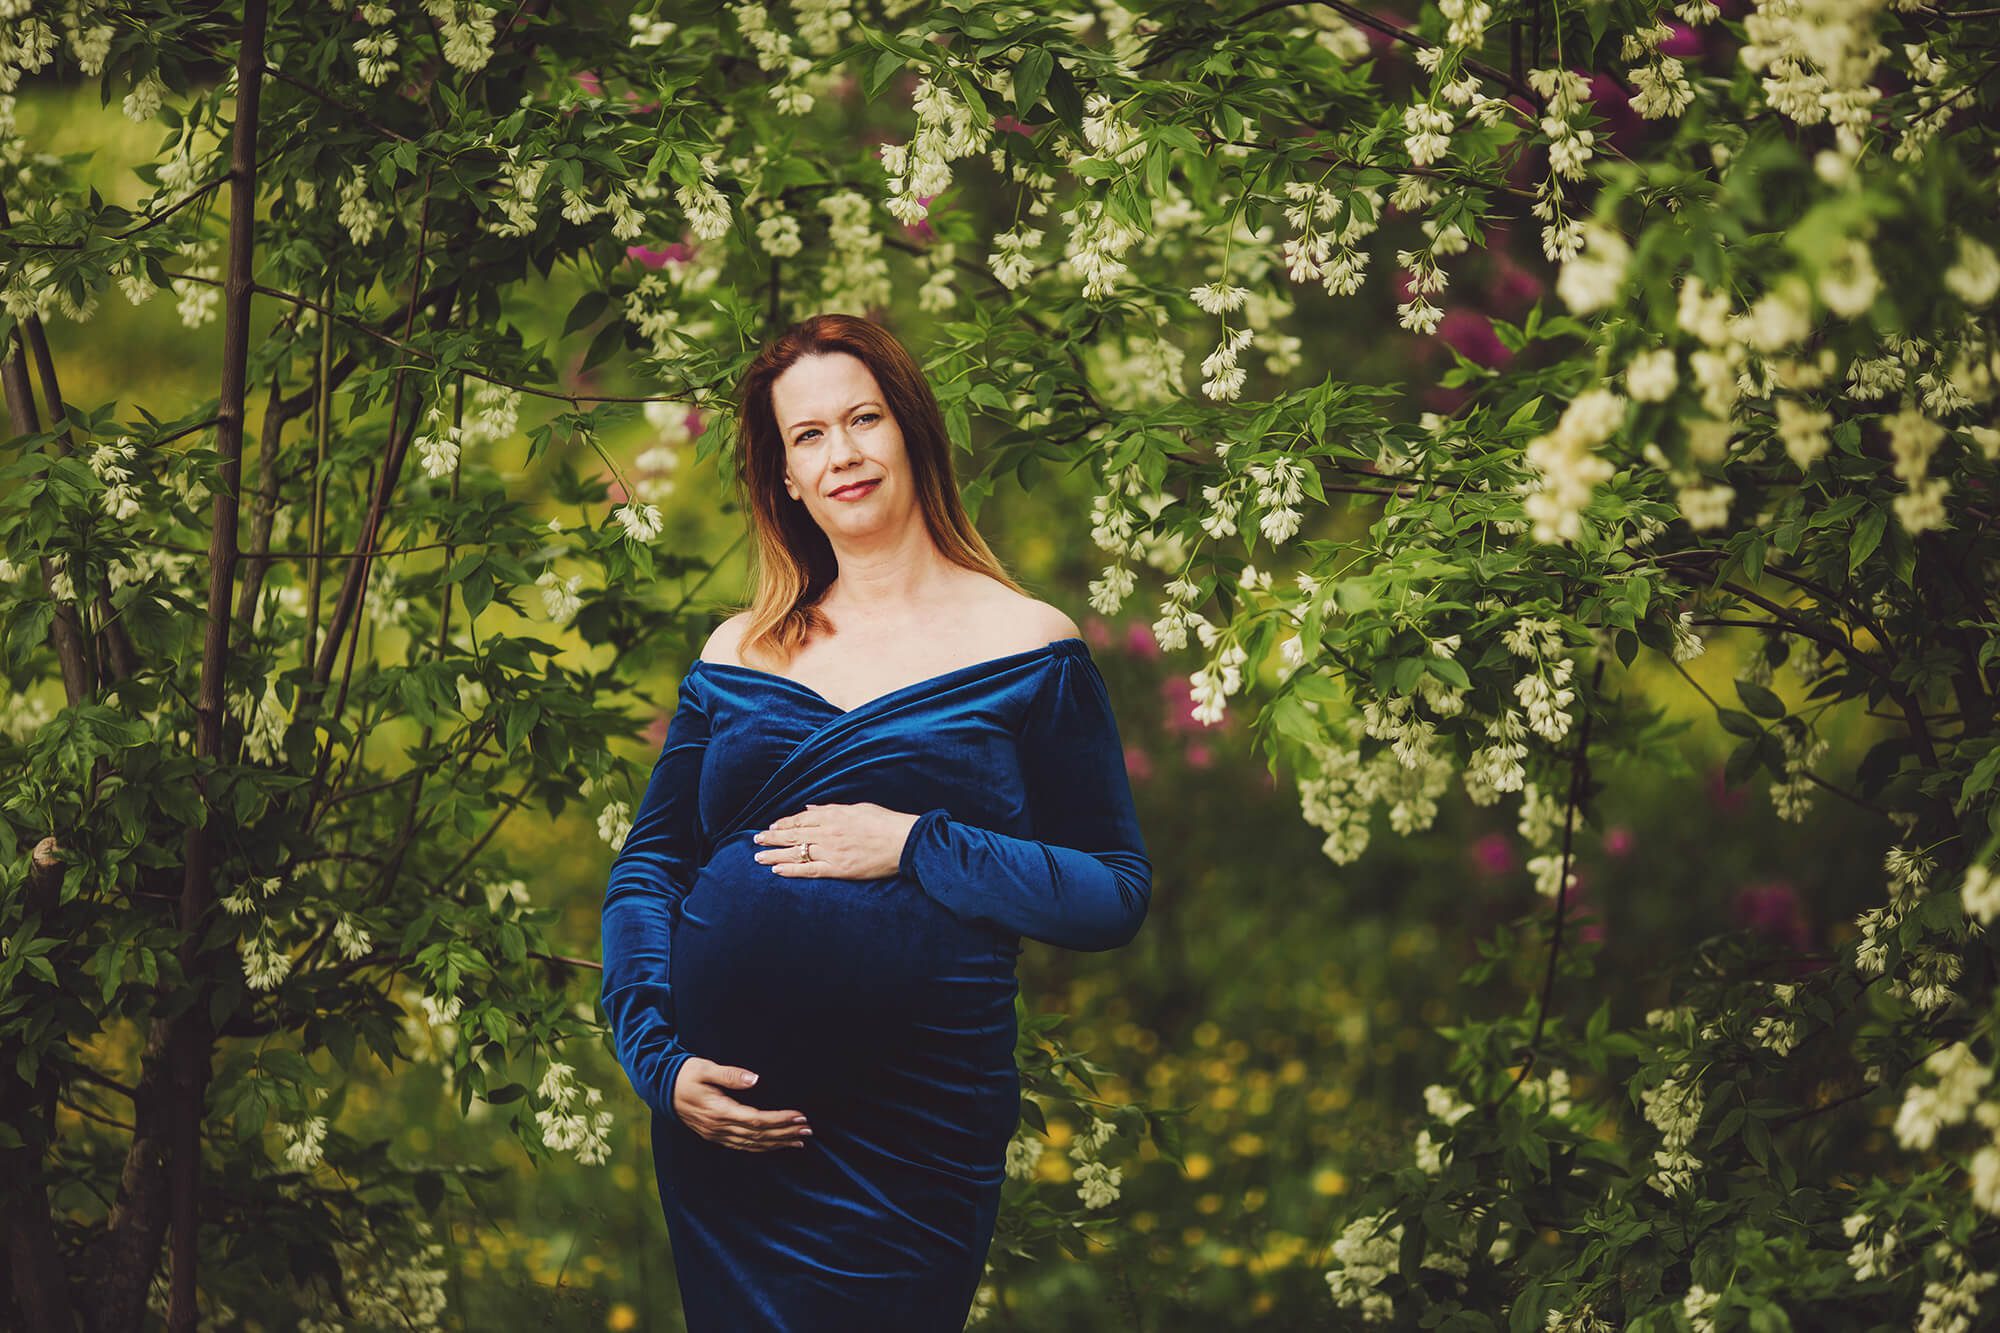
{"x":1084,"y":880}
{"x":652,"y":874}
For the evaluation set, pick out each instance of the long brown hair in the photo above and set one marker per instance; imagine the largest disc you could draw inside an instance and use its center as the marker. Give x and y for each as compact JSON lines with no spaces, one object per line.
{"x":792,"y":562}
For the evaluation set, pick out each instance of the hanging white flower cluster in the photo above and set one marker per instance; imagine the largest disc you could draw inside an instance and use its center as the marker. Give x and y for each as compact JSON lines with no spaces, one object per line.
{"x":1567,"y":97}
{"x":1496,"y":767}
{"x":1674,"y":1108}
{"x":1780,"y":1031}
{"x":939,"y":292}
{"x":707,"y":211}
{"x":1212,"y":685}
{"x":109,"y":464}
{"x":641,"y":522}
{"x":1566,"y":466}
{"x":1592,"y":280}
{"x":1011,"y":264}
{"x":1225,"y":377}
{"x":351,"y":938}
{"x":27,"y":43}
{"x":265,"y":962}
{"x":559,"y":595}
{"x":1366,"y":1261}
{"x":1913,"y":439}
{"x":1659,"y":82}
{"x":264,"y":719}
{"x":1096,"y":242}
{"x":377,"y":45}
{"x":438,"y":446}
{"x":650,"y":31}
{"x":467,"y":29}
{"x":199,"y":302}
{"x":1097,"y":1183}
{"x":1178,"y":616}
{"x":1310,"y":256}
{"x":1957,"y":1078}
{"x":856,"y":276}
{"x":1024,"y":1150}
{"x":947,"y":129}
{"x":304,"y":1141}
{"x":1869,"y":1258}
{"x":240,"y":902}
{"x":385,"y":1288}
{"x":1280,"y":486}
{"x":361,"y":215}
{"x":780,"y":236}
{"x":388,"y":608}
{"x":518,"y":194}
{"x":491,"y":413}
{"x":572,"y":1122}
{"x":774,"y":53}
{"x":614,"y":822}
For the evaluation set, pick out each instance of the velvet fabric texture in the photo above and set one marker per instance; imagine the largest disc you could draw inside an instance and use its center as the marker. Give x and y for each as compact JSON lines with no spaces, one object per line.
{"x":882,"y":1009}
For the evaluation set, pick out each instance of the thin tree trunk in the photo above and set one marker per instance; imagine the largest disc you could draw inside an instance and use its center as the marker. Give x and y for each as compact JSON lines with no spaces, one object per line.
{"x":191,"y":1042}
{"x":40,"y":1285}
{"x":66,"y":630}
{"x":116,"y":649}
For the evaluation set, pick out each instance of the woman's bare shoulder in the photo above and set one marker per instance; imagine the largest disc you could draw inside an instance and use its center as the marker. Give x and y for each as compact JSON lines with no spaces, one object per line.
{"x":725,"y":640}
{"x":1035,"y":622}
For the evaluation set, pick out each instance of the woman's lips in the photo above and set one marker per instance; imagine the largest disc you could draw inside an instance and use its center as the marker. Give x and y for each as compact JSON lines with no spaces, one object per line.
{"x":855,"y":490}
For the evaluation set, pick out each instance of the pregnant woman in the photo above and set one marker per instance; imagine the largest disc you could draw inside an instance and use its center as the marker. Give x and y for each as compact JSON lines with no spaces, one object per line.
{"x":878,"y":778}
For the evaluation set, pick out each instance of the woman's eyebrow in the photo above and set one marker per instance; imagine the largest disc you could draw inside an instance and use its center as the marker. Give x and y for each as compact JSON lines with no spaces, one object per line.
{"x":866,"y":402}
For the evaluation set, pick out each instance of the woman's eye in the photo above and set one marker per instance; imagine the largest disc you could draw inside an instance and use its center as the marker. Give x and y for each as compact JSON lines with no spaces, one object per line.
{"x":809,"y":432}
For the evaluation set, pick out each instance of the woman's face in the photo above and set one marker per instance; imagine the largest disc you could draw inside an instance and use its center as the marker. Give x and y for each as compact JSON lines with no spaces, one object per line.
{"x":844,"y":455}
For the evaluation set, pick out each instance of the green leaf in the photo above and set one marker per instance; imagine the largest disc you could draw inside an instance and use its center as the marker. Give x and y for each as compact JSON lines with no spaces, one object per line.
{"x":1867,"y":535}
{"x":1742,"y":724}
{"x":588,"y":308}
{"x":1064,"y":98}
{"x":886,"y":64}
{"x":1031,"y":76}
{"x":1760,"y":700}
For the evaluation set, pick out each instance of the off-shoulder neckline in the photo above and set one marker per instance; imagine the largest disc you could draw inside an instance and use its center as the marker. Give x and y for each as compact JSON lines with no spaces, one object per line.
{"x":1054,"y":648}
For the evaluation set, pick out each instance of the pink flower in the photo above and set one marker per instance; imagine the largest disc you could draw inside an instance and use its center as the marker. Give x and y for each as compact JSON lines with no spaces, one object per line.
{"x":1097,"y":630}
{"x":677,"y":253}
{"x":1618,"y":840}
{"x":1493,"y":855}
{"x":1774,"y":911}
{"x":1138,"y":764}
{"x":1721,"y":796}
{"x":1008,"y":124}
{"x":1199,"y":755}
{"x":1685,"y":44}
{"x":1472,"y":334}
{"x":1139,"y":641}
{"x":1177,"y":706}
{"x":1625,"y":127}
{"x":587,"y":80}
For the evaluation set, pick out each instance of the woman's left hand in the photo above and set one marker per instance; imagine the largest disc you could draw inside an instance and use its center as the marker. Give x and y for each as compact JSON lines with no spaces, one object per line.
{"x":860,"y":840}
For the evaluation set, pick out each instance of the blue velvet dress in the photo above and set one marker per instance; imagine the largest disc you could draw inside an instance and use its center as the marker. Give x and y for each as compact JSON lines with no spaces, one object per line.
{"x":882,"y":1009}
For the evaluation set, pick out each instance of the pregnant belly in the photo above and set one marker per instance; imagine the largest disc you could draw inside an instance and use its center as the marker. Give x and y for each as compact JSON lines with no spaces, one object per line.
{"x":814,"y":982}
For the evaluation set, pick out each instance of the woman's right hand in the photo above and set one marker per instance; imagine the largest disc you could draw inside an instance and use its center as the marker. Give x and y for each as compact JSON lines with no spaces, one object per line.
{"x":702,"y":1101}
